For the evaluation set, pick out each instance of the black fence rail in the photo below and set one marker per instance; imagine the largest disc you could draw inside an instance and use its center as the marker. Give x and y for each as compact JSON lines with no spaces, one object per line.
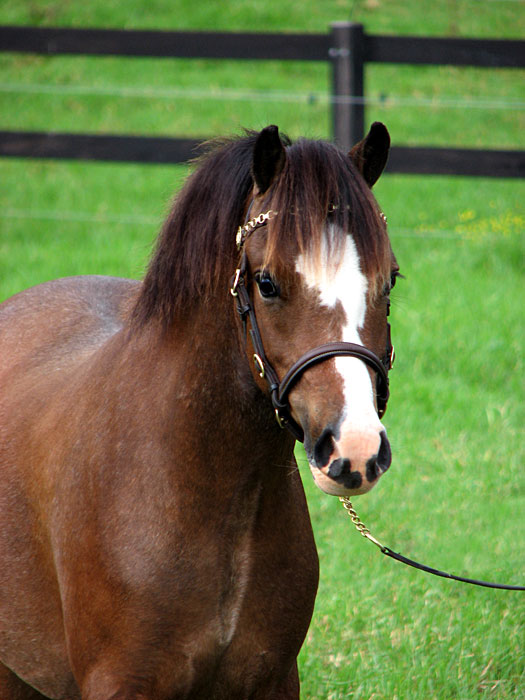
{"x":348,"y":49}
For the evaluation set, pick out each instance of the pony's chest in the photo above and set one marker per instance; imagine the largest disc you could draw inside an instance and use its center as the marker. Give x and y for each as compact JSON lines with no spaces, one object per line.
{"x":266,"y":624}
{"x":261,"y":619}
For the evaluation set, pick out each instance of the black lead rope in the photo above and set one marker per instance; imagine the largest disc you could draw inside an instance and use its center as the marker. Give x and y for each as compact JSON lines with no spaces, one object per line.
{"x":361,"y":527}
{"x":410,"y":562}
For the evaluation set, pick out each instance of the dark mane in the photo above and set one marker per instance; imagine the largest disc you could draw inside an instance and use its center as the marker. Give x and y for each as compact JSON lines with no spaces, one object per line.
{"x":196,"y":252}
{"x":198,"y":238}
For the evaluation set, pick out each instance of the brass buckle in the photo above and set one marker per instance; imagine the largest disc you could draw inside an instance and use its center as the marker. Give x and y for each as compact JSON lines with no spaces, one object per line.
{"x":392,"y":357}
{"x":233,"y":290}
{"x":239,"y":237}
{"x":279,"y":419}
{"x":259,"y":365}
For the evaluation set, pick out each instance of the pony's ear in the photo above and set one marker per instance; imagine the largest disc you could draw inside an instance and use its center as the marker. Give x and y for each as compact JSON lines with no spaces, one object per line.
{"x":268,"y":158}
{"x":371,"y":154}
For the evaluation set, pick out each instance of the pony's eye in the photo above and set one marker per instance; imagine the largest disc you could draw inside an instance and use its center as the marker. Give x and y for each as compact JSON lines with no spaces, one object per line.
{"x":267,"y":287}
{"x":393,"y":278}
{"x":388,"y":287}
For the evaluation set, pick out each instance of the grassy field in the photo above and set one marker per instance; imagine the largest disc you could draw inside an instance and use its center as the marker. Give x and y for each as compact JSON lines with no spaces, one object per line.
{"x":454,"y":497}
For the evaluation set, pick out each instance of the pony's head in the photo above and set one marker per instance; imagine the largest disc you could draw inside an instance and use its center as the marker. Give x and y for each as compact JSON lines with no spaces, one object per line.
{"x":319,"y":272}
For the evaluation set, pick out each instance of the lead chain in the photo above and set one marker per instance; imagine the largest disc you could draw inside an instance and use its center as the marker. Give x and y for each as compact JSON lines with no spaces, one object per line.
{"x":359,"y":525}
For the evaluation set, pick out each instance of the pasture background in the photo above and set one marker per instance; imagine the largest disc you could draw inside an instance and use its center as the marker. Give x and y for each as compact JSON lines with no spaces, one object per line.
{"x":454,"y":496}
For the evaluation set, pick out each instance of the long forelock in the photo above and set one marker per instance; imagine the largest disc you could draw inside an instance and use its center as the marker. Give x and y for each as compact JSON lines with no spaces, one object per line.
{"x":320,"y":199}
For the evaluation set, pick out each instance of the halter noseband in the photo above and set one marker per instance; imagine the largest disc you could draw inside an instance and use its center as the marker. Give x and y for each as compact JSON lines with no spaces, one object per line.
{"x":279,"y":390}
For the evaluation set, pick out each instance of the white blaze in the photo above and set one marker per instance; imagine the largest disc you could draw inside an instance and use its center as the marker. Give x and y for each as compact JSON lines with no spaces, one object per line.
{"x":342,"y":281}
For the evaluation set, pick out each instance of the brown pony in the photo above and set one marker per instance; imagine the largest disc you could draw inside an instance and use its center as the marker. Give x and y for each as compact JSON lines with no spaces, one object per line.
{"x":155,"y":542}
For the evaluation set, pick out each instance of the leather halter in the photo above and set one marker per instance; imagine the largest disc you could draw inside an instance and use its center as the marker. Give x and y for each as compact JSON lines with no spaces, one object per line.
{"x":279,"y":390}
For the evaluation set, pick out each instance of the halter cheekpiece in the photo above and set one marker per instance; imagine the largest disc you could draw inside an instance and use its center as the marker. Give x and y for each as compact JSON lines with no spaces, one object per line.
{"x":279,"y":390}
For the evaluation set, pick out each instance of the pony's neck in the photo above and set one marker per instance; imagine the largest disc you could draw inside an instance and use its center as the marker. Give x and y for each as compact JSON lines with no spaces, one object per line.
{"x":218,"y":405}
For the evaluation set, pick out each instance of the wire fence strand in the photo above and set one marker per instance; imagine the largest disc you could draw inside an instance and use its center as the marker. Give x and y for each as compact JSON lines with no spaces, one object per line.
{"x":235,"y":95}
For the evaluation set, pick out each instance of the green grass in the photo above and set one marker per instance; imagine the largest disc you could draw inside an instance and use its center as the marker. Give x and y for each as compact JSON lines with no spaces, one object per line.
{"x":454,"y":497}
{"x":441,"y":17}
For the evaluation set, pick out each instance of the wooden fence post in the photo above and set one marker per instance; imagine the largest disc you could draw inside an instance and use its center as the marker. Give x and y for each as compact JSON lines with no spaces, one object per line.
{"x":347,"y":56}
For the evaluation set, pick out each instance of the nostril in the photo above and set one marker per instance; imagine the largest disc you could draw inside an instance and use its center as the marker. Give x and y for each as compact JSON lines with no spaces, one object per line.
{"x":381,"y":461}
{"x":341,"y":471}
{"x":324,"y":448}
{"x":384,"y":457}
{"x":339,"y":467}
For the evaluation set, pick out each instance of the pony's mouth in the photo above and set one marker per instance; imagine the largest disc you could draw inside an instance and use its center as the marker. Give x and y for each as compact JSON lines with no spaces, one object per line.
{"x":339,"y":477}
{"x":346,"y":483}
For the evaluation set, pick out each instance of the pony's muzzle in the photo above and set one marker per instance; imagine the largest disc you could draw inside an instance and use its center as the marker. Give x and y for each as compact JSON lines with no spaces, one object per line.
{"x":353,"y":464}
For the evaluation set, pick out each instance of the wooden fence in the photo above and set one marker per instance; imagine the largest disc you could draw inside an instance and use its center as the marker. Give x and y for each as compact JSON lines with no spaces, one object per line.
{"x":348,"y":49}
